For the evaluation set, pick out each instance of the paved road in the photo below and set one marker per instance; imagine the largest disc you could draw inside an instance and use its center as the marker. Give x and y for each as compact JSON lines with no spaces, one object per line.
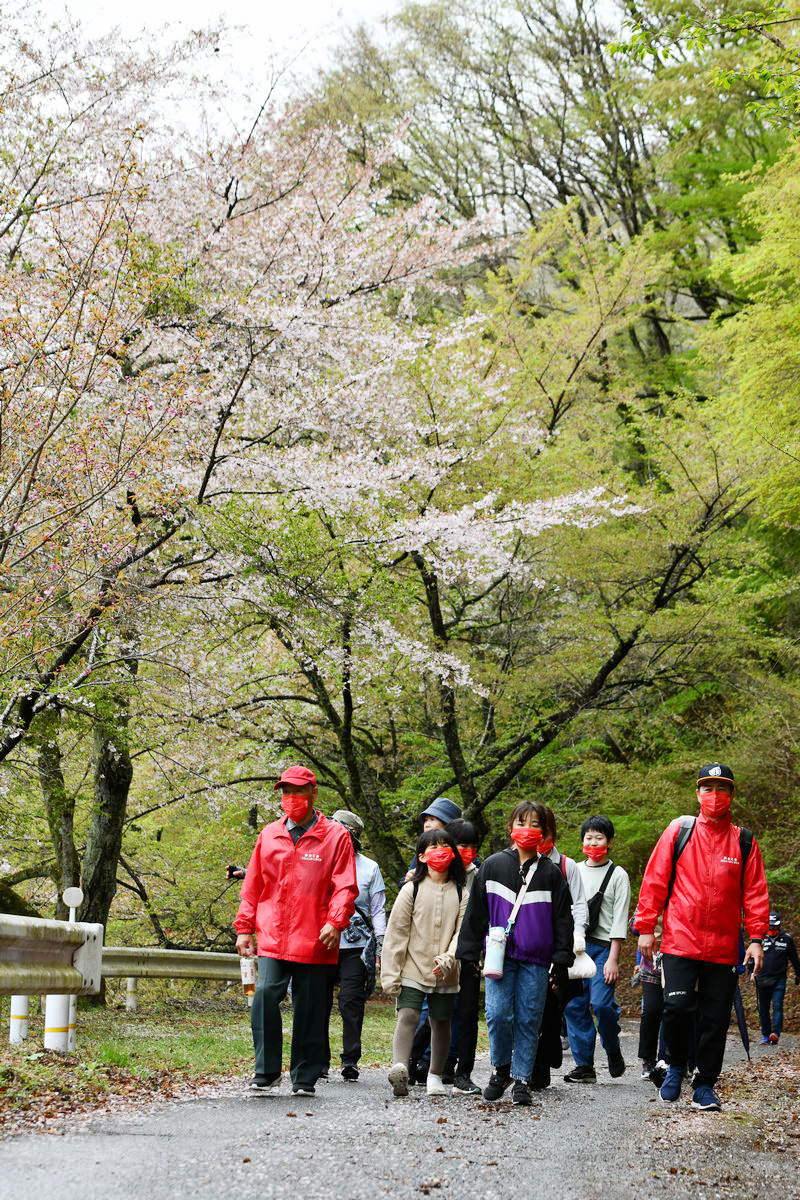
{"x":356,"y":1141}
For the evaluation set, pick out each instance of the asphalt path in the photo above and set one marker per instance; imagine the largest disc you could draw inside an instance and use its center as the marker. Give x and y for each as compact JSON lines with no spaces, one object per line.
{"x":357,"y":1141}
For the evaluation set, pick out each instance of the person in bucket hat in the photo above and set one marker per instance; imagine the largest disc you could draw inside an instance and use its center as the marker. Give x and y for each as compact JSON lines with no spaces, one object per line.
{"x":360,"y":948}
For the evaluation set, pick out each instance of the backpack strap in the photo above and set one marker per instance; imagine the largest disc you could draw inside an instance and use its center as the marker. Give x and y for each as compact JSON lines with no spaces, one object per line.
{"x":685,"y":831}
{"x":745,"y":846}
{"x":563,"y":865}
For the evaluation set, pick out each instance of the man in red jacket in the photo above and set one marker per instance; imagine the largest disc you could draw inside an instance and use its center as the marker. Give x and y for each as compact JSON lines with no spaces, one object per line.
{"x":703,"y":874}
{"x":299,"y":893}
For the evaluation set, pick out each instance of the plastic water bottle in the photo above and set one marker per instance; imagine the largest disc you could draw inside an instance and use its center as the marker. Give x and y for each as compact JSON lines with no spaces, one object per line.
{"x":247,"y":967}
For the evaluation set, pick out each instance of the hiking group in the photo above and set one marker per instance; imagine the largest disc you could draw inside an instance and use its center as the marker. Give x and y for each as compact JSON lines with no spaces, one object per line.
{"x":543,"y":931}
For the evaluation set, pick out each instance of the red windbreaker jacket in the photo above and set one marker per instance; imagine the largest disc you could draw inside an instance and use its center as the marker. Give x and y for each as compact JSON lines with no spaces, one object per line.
{"x":704,"y":915}
{"x":290,"y":891}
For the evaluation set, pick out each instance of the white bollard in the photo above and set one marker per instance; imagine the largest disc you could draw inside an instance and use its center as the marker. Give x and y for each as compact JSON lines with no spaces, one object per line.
{"x":56,"y":1023}
{"x":130,"y":994}
{"x":72,"y":1024}
{"x":18,"y":1024}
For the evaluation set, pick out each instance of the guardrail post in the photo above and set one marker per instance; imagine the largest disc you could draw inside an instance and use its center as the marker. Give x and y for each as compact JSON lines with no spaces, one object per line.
{"x":18,"y":1022}
{"x":56,"y":1023}
{"x":130,"y":994}
{"x":72,"y":1023}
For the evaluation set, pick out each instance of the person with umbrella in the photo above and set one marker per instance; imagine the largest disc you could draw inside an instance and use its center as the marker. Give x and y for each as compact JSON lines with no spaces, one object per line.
{"x":702,"y":875}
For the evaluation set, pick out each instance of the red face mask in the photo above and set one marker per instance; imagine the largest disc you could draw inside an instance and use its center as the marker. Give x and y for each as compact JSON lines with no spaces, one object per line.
{"x":438,"y":858}
{"x":595,"y":853}
{"x":295,"y":805}
{"x":546,"y":845}
{"x":525,"y":837}
{"x":715,"y":804}
{"x":468,"y":854}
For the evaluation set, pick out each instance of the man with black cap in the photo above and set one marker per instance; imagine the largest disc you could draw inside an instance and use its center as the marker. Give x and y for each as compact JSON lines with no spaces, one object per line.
{"x":779,"y":951}
{"x":298,"y":896}
{"x":702,"y":875}
{"x":359,"y":947}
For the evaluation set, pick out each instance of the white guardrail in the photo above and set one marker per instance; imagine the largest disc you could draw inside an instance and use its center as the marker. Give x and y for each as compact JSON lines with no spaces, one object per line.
{"x":49,"y":957}
{"x":67,"y":959}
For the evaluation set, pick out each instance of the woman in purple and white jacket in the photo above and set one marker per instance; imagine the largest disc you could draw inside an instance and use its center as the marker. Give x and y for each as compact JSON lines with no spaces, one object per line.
{"x":542,"y":934}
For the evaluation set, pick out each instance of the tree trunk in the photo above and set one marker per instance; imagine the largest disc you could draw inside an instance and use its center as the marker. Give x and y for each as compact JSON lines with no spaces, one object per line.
{"x":113,"y":772}
{"x":59,"y":806}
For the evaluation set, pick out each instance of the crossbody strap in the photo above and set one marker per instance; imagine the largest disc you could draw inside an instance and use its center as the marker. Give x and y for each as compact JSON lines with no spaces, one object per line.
{"x":520,"y":897}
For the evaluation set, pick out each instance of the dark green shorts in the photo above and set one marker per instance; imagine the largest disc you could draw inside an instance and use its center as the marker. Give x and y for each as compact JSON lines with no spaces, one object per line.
{"x":440,"y":1004}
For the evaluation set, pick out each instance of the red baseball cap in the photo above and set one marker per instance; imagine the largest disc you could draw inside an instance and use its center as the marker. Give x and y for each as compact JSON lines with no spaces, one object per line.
{"x":300,"y":776}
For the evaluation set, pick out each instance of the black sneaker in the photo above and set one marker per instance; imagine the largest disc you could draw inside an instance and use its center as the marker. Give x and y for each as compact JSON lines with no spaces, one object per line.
{"x":262,"y":1083}
{"x":463,"y":1086}
{"x":616,"y":1065}
{"x":521,"y":1093}
{"x":500,"y":1080}
{"x":647,"y":1069}
{"x":658,"y":1074}
{"x":304,"y":1089}
{"x":581,"y":1075}
{"x":540,"y":1079}
{"x":449,"y":1076}
{"x":323,"y":1075}
{"x":350,"y":1073}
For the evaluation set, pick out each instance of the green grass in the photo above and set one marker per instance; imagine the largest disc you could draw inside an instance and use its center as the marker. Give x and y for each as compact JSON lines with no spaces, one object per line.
{"x":180,"y":1034}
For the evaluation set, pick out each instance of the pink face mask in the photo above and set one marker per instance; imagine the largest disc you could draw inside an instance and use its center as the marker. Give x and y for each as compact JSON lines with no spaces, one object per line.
{"x":438,"y":858}
{"x":468,"y":854}
{"x":595,"y":853}
{"x":715,"y":804}
{"x":525,"y":837}
{"x":546,"y":845}
{"x":295,"y":805}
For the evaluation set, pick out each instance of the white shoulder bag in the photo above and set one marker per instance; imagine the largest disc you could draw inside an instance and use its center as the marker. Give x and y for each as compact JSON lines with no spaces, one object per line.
{"x":499,"y":934}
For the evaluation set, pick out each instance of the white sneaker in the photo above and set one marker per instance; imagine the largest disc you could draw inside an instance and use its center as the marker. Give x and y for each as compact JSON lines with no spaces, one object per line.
{"x":434,"y":1085}
{"x":398,"y":1078}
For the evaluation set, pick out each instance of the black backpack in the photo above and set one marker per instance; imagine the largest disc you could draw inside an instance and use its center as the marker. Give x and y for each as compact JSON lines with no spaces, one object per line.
{"x":596,"y":902}
{"x":685,"y":832}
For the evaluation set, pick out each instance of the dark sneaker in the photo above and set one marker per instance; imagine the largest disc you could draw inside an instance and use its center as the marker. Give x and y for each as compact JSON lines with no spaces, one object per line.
{"x":706,"y":1099}
{"x":670,"y":1089}
{"x":616,"y":1065}
{"x":304,"y":1089}
{"x":540,"y":1079}
{"x":449,"y":1076}
{"x":262,"y":1083}
{"x":647,"y":1069}
{"x":658,"y":1074}
{"x":499,"y":1082}
{"x":581,"y":1075}
{"x":765,"y":1041}
{"x":463,"y":1086}
{"x":521,"y":1093}
{"x":350,"y":1073}
{"x":323,"y":1076}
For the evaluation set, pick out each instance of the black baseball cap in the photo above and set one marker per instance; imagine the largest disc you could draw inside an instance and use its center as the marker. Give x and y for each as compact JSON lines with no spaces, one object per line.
{"x":774,"y":918}
{"x":714,"y":772}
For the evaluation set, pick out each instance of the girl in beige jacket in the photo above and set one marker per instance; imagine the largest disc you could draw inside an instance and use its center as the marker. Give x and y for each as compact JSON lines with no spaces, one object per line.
{"x":418,"y":956}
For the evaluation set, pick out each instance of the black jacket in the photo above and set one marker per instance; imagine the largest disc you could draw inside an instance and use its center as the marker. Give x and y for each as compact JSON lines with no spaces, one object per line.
{"x":543,"y":930}
{"x":779,"y":951}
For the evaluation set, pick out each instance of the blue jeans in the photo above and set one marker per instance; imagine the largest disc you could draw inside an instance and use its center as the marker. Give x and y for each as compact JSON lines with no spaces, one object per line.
{"x":514,"y":1007}
{"x":771,"y":992}
{"x":598,"y":998}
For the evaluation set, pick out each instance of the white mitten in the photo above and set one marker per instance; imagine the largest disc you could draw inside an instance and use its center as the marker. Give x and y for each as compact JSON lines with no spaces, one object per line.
{"x":578,"y":942}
